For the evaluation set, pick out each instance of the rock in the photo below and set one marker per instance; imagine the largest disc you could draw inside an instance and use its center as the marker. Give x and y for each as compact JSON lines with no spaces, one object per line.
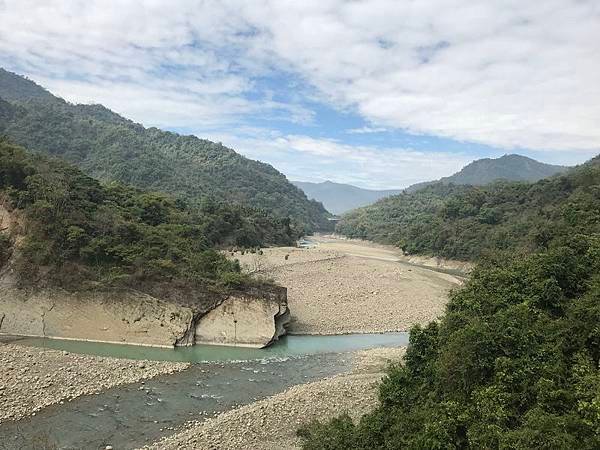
{"x":57,"y":377}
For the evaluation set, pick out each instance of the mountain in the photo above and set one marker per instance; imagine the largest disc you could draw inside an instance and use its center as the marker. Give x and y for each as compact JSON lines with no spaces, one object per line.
{"x":514,"y":362}
{"x":109,"y":147}
{"x":466,"y":222}
{"x":339,"y":198}
{"x":66,"y":229}
{"x":487,"y":170}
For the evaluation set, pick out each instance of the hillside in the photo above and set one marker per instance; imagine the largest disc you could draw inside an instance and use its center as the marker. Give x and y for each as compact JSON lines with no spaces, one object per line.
{"x":339,"y":198}
{"x":513,"y":363}
{"x":109,"y":147}
{"x":68,"y":230}
{"x":487,"y":170}
{"x":466,"y":222}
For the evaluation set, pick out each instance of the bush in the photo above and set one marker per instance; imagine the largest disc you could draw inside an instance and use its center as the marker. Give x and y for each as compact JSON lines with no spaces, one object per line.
{"x":5,"y":248}
{"x":514,"y":363}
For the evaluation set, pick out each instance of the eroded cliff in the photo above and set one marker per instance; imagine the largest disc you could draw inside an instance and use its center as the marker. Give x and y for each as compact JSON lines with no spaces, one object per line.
{"x":254,"y":318}
{"x":165,"y":314}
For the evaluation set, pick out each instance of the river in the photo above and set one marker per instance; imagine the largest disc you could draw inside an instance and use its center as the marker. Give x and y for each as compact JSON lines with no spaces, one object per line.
{"x":220,"y":378}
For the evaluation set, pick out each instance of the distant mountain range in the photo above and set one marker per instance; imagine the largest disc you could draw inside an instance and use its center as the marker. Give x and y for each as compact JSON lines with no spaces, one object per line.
{"x":110,"y":147}
{"x":507,"y":167}
{"x":339,"y":198}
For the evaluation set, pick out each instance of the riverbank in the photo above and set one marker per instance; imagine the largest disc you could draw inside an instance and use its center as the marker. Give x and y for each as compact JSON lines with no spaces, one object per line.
{"x":272,"y":422}
{"x":340,"y":287}
{"x":33,"y":378}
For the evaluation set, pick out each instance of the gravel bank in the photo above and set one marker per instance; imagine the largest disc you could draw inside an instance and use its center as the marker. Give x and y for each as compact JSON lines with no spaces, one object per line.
{"x":32,"y":378}
{"x":272,"y":423}
{"x":348,"y":287}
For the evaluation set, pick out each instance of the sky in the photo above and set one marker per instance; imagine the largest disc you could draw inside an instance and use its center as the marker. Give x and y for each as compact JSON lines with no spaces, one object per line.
{"x":375,"y":93}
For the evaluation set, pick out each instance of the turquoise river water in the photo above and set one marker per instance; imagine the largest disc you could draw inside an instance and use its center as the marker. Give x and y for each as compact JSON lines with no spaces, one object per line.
{"x":220,"y":378}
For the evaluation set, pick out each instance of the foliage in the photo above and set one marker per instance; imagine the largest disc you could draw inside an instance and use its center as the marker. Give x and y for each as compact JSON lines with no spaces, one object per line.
{"x":468,"y":222}
{"x":5,"y":247}
{"x":487,"y":170}
{"x":514,"y":363}
{"x":109,"y":147}
{"x":79,"y":230}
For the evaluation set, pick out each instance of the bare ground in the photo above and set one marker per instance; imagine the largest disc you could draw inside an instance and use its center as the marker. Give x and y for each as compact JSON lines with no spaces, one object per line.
{"x":342,"y":286}
{"x":32,"y":378}
{"x":272,"y":423}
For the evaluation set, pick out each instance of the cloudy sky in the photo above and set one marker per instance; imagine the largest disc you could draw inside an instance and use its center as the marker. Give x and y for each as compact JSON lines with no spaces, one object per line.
{"x":376,"y":93}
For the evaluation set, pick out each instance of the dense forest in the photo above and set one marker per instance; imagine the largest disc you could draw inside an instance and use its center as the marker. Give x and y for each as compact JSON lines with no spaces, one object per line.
{"x":515,"y":361}
{"x":109,"y":147}
{"x":75,"y":231}
{"x":514,"y":364}
{"x":467,"y":222}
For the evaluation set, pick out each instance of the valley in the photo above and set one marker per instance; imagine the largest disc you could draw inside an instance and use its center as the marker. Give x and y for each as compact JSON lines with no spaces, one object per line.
{"x":324,"y":298}
{"x":299,"y":225}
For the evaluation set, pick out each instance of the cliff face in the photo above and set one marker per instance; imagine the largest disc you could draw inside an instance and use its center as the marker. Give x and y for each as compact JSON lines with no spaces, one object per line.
{"x":250,"y":319}
{"x":165,"y":315}
{"x":126,"y":317}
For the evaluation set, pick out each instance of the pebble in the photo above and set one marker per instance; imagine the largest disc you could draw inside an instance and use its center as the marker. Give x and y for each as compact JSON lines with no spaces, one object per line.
{"x":272,"y":422}
{"x":57,"y":376}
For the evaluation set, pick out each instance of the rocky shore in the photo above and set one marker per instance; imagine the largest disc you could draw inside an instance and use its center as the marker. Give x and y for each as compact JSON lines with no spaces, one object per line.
{"x":33,"y":378}
{"x":272,"y":423}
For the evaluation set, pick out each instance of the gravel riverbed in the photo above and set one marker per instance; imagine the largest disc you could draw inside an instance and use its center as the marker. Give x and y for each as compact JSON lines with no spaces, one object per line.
{"x":272,"y":423}
{"x":339,"y":287}
{"x":33,"y":378}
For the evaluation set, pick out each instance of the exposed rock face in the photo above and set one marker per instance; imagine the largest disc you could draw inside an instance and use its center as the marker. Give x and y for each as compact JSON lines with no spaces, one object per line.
{"x":250,"y":319}
{"x":165,"y":315}
{"x":253,"y":319}
{"x":116,"y":317}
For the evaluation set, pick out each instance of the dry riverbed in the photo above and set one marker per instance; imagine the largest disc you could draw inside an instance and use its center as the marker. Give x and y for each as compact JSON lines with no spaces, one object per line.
{"x":341,"y":286}
{"x":272,"y":423}
{"x":32,"y":378}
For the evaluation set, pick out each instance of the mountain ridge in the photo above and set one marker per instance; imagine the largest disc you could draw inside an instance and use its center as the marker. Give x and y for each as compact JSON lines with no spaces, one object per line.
{"x":466,"y":222}
{"x":509,"y":167}
{"x":110,"y":147}
{"x":329,"y":192}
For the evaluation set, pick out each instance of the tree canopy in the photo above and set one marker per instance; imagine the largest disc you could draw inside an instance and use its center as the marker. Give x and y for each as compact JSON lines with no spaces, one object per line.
{"x":467,"y":222}
{"x":514,"y":364}
{"x":515,"y":361}
{"x":75,"y":230}
{"x":109,"y":147}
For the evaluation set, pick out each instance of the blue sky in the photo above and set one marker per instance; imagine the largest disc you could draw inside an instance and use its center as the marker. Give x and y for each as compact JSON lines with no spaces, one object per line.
{"x":377,"y":93}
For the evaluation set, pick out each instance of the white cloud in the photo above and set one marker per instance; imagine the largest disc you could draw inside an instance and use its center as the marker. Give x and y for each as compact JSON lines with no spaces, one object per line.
{"x":506,"y":73}
{"x":306,"y":158}
{"x":366,"y":130}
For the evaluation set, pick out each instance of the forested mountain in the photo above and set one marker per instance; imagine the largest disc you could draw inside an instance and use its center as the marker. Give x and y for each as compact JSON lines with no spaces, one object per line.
{"x":339,"y":198}
{"x":513,"y":364}
{"x":487,"y":170}
{"x":515,"y":361}
{"x":465,"y":222}
{"x":69,"y":230}
{"x":109,"y":147}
